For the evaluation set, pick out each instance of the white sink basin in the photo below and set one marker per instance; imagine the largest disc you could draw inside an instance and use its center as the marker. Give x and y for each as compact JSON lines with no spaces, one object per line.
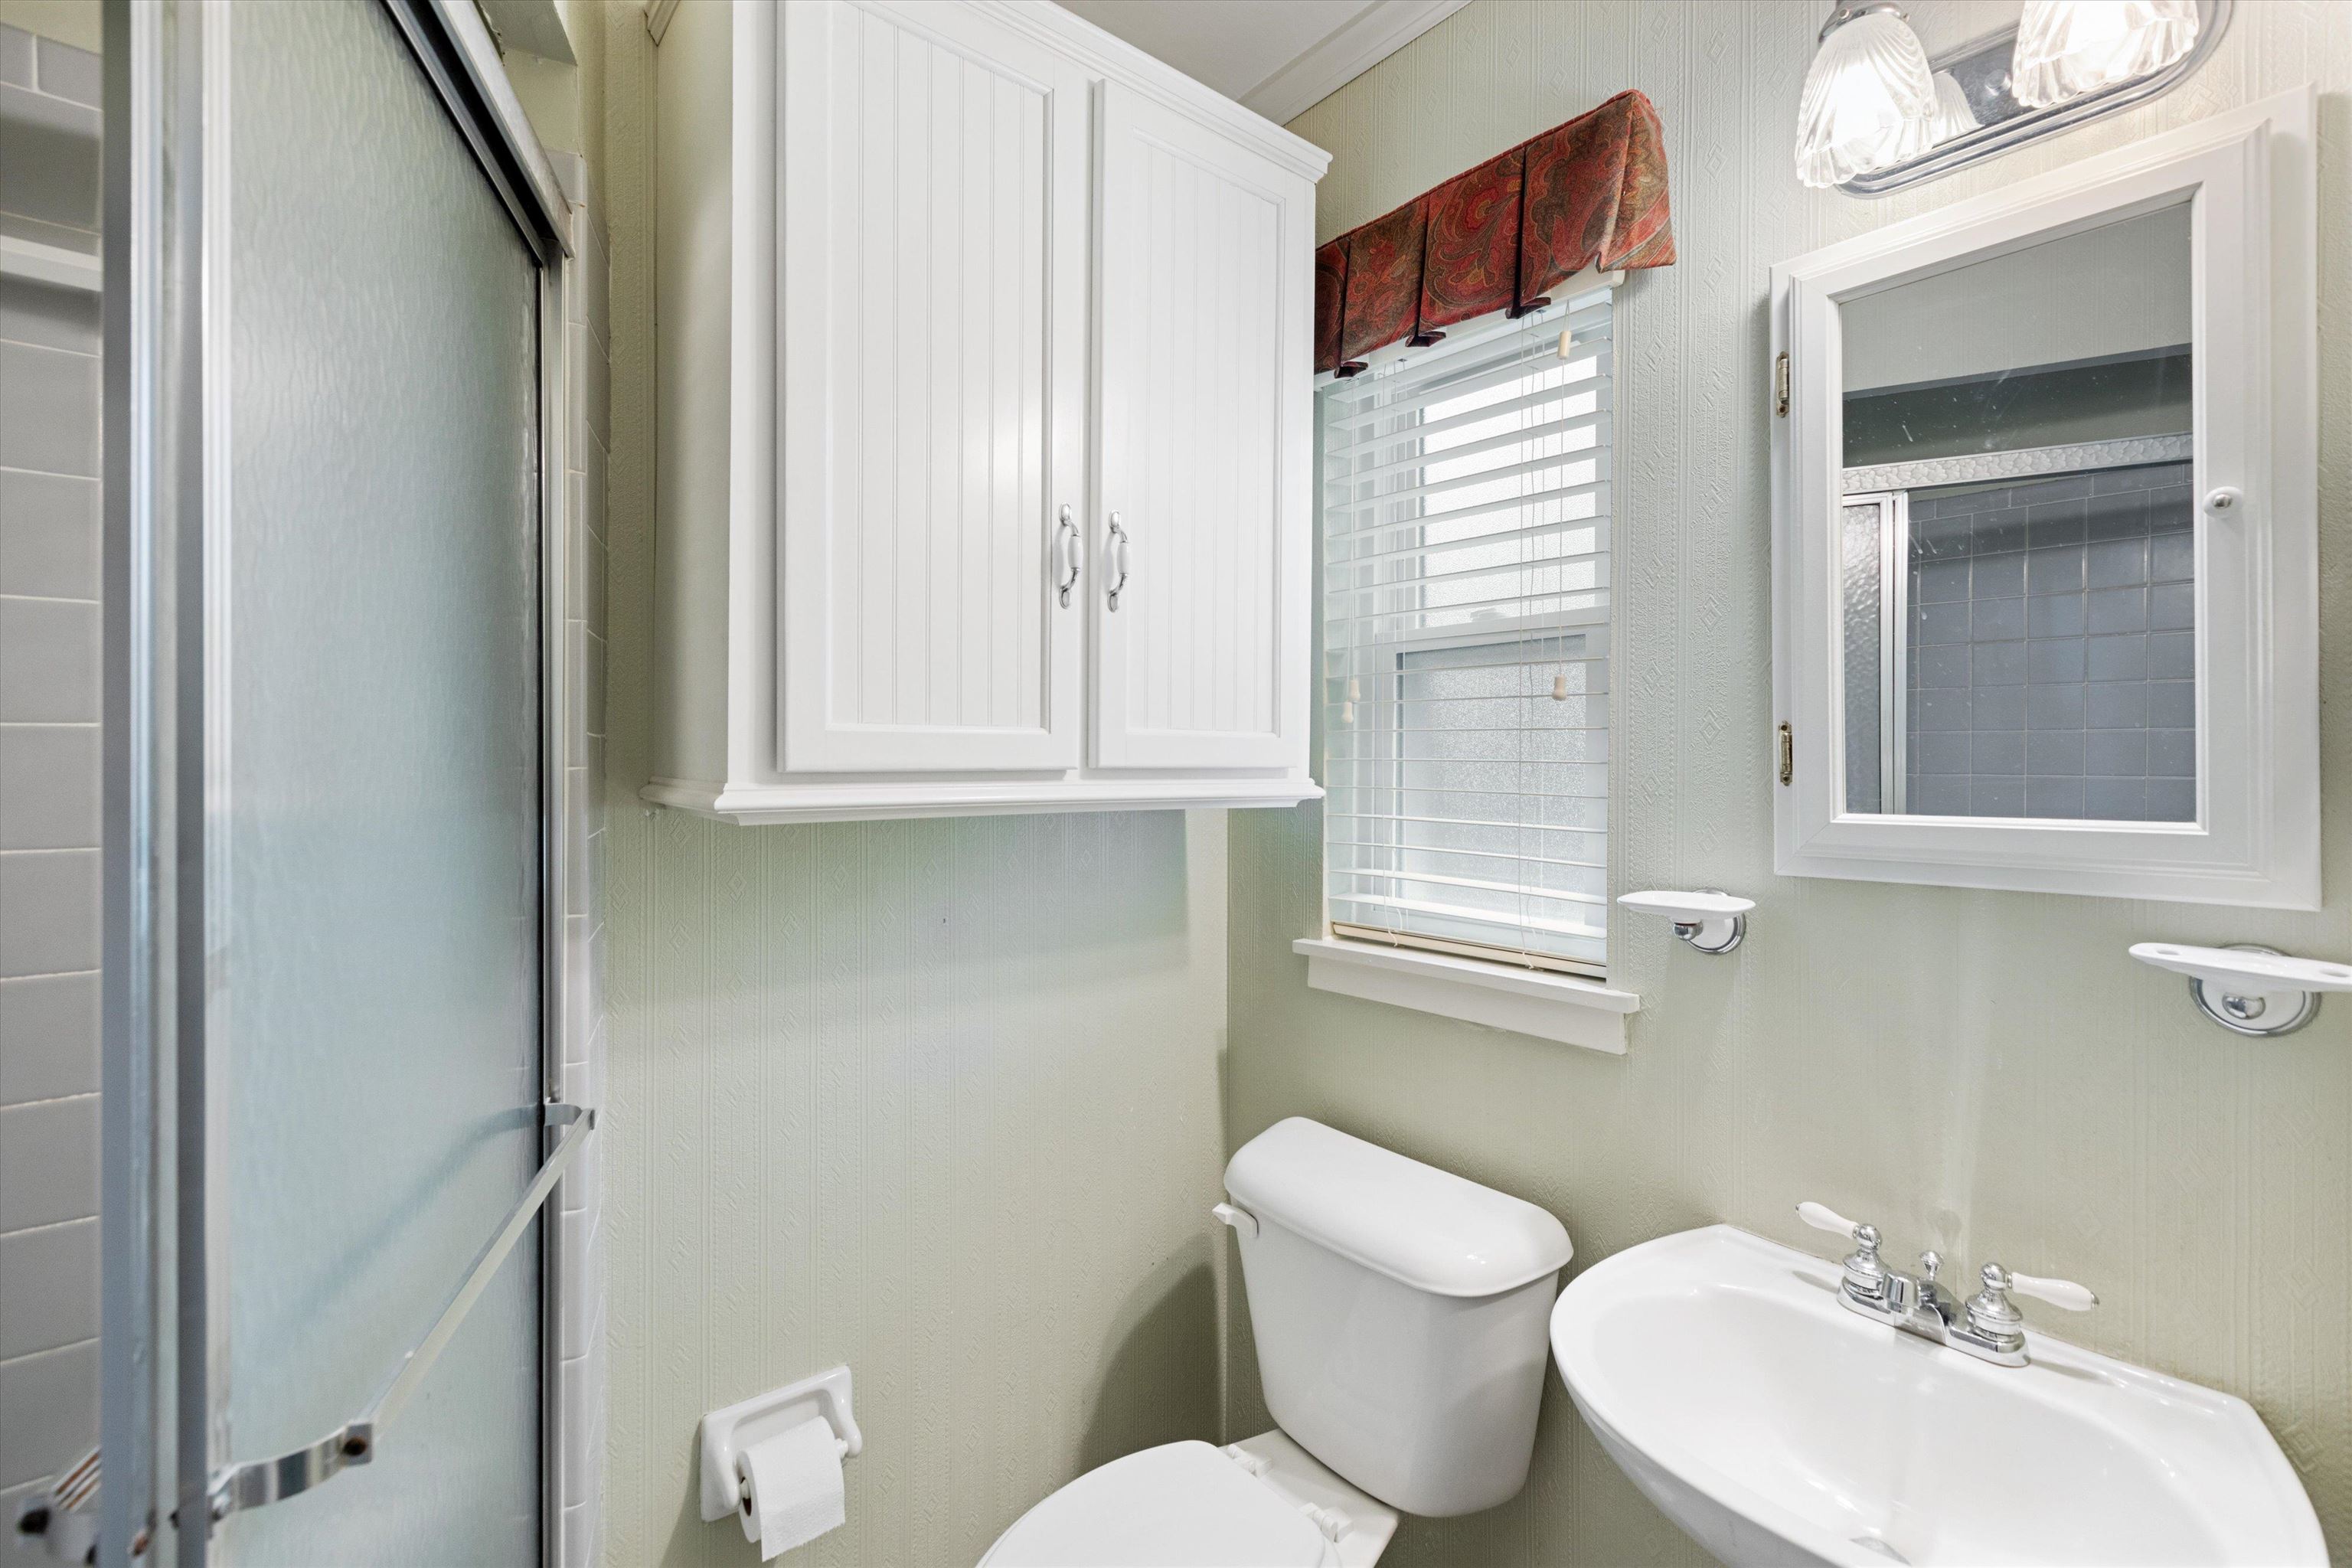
{"x":1776,"y":1427}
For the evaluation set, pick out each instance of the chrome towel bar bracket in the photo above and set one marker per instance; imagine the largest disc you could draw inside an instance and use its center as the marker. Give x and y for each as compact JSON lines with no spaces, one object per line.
{"x":259,"y":1482}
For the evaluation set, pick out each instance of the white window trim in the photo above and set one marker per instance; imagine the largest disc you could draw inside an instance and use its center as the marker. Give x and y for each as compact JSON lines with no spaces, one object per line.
{"x":1544,"y":1003}
{"x":1550,"y":1006}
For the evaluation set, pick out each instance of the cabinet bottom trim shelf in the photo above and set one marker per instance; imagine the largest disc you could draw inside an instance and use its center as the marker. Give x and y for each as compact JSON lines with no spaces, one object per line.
{"x":751,"y":805}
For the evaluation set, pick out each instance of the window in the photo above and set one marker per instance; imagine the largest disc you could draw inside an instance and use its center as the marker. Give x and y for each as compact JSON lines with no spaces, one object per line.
{"x":1465,"y":701}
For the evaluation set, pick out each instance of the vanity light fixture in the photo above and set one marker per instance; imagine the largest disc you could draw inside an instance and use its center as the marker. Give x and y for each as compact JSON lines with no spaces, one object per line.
{"x":2066,"y":48}
{"x":2063,"y":64}
{"x":2246,"y":989}
{"x":1869,"y":101}
{"x":1954,"y":118}
{"x":1709,"y":920}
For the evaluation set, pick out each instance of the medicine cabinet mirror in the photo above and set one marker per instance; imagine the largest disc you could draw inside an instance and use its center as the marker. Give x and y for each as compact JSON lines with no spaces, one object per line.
{"x":2045,"y":613}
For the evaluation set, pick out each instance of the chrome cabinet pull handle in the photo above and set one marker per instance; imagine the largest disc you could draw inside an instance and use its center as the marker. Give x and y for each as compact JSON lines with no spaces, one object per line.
{"x":1118,"y":558}
{"x":1073,"y":556}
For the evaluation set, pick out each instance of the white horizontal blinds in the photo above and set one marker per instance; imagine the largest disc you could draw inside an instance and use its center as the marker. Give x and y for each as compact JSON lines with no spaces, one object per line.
{"x":1465,"y":689}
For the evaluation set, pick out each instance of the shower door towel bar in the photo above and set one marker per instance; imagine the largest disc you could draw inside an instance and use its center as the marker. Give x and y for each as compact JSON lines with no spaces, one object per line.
{"x":263,"y":1481}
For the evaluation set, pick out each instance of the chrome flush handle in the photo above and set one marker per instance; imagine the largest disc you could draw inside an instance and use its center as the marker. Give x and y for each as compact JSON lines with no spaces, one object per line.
{"x":1118,"y":558}
{"x":1070,"y":556}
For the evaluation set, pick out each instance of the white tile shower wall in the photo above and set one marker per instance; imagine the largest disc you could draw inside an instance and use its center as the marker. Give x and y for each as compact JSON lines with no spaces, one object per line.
{"x":49,"y":777}
{"x":2052,"y":651}
{"x":580,"y":1289}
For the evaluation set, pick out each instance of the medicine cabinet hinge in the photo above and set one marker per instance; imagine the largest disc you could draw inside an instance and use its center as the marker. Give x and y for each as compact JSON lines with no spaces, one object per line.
{"x":1788,"y":751}
{"x":1781,"y":395}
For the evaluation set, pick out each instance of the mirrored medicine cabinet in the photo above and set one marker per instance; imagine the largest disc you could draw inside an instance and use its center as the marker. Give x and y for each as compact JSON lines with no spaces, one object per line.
{"x":2044,"y":535}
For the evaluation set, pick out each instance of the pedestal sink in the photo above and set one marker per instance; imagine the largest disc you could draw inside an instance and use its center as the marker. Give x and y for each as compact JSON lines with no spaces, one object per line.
{"x":1775,"y":1426}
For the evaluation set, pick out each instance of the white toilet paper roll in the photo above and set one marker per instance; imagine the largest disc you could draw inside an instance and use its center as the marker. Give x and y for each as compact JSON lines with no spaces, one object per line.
{"x":791,"y":1486}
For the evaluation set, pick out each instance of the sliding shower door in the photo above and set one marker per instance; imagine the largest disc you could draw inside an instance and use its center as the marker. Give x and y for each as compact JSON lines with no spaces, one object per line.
{"x":354,"y":747}
{"x":373,"y":795}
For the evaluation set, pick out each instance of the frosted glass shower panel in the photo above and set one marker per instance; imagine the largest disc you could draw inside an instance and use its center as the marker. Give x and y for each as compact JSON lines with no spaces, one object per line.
{"x":373,"y":867}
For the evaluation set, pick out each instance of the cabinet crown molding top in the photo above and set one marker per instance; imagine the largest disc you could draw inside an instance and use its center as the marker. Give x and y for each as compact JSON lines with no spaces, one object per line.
{"x":1115,"y":56}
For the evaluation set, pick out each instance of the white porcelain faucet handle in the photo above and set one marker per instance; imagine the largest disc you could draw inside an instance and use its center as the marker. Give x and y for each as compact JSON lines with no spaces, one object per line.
{"x":2057,"y":1292}
{"x":1821,"y":1216}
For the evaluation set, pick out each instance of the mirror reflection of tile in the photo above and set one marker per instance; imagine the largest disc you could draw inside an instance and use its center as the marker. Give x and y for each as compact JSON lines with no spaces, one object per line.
{"x":2052,"y":656}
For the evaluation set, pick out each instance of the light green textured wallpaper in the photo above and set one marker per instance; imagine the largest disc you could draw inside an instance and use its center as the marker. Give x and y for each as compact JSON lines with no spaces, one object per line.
{"x":939,"y":1100}
{"x":1987,"y":1073}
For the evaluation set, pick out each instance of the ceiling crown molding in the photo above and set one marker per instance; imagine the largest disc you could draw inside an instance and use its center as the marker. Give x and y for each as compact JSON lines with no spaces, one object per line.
{"x":1357,"y":45}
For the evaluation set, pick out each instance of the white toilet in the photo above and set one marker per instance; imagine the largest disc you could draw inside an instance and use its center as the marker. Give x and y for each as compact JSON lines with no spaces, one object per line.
{"x":1399,"y":1313}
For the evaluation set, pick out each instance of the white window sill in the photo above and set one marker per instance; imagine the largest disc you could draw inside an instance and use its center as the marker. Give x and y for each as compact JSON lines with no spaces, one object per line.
{"x":1529,"y":1001}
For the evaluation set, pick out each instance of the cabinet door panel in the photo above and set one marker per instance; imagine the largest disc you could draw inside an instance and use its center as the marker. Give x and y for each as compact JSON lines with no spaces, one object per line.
{"x":1206,"y":255}
{"x":931,"y":311}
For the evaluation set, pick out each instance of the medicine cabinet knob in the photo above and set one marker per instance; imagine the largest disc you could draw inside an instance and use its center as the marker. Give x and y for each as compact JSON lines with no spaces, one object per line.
{"x":2223,"y":500}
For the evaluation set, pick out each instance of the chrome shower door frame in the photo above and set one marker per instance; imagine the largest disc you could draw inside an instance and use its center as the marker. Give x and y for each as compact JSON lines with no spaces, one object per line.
{"x":162,"y":1340}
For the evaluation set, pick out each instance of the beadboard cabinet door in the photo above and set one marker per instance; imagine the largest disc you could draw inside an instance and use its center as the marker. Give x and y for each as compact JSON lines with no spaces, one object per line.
{"x":1205,"y":254}
{"x":932,"y":295}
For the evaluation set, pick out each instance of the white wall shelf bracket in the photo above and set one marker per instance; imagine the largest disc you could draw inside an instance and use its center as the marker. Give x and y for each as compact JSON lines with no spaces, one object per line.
{"x":2250,"y":990}
{"x":1710,"y":921}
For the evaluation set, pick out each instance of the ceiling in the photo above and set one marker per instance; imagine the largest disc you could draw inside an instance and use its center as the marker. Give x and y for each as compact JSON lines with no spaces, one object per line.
{"x":1276,"y":57}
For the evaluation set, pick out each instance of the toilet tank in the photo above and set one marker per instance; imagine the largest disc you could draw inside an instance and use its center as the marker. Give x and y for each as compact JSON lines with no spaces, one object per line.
{"x":1399,"y":1313}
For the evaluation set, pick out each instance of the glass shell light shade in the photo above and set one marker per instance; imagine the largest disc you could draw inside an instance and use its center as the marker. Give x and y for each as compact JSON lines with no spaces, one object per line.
{"x":1869,"y":101}
{"x":2068,"y":47}
{"x":1953,"y":115}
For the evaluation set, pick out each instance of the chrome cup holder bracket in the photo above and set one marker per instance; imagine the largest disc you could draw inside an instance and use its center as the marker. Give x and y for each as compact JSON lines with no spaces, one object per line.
{"x":1709,"y":919}
{"x":1714,"y":936}
{"x":2247,"y":988}
{"x":2262,"y":1014}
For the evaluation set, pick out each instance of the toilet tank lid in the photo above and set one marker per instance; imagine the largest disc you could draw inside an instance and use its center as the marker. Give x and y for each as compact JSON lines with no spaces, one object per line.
{"x":1423,"y":1227}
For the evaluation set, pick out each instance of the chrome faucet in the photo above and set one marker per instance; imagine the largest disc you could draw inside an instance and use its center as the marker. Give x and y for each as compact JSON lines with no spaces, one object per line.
{"x":1988,"y":1327}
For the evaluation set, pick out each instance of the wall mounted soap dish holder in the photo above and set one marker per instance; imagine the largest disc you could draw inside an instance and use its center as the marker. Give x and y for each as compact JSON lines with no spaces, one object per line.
{"x":2247,"y":989}
{"x":1708,"y":919}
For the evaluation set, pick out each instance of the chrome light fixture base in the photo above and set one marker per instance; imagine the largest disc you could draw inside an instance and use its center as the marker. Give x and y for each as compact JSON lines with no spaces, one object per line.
{"x":1848,"y":11}
{"x":1982,"y":69}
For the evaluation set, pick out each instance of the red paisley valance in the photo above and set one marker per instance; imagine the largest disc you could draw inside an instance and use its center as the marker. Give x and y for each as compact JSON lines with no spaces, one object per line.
{"x":1591,"y":193}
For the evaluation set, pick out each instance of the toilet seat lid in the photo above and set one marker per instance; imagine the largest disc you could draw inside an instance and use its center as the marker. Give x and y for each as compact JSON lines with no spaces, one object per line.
{"x":1181,"y":1503}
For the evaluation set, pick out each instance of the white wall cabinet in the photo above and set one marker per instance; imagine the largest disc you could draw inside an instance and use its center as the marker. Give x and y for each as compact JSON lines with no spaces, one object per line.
{"x":1203,"y":444}
{"x":984,"y":401}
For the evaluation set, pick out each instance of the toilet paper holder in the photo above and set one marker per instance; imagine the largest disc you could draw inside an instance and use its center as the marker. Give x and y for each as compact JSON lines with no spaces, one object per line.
{"x":726,"y":1433}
